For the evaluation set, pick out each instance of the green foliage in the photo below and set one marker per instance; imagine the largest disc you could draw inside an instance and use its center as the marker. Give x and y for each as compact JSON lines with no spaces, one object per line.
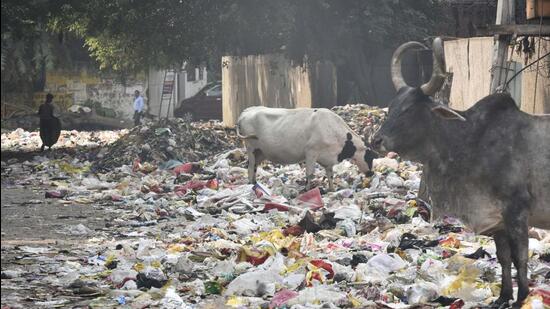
{"x":29,"y":46}
{"x":129,"y":36}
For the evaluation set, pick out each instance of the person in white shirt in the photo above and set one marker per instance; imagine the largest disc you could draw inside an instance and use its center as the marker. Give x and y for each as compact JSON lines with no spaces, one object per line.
{"x":138,"y":108}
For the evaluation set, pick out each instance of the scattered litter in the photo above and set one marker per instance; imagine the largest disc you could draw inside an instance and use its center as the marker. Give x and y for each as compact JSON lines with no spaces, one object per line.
{"x":182,"y":228}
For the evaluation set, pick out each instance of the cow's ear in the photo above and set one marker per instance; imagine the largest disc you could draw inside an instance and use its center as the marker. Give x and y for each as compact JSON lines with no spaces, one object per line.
{"x":446,"y":113}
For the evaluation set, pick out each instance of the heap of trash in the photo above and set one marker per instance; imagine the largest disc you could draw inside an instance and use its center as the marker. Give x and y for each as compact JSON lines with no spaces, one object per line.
{"x":363,"y":119}
{"x":184,"y":229}
{"x":25,"y":141}
{"x":173,"y":139}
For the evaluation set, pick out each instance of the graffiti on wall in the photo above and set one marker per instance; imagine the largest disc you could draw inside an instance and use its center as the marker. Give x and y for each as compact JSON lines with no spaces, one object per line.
{"x":84,"y":88}
{"x":62,"y":100}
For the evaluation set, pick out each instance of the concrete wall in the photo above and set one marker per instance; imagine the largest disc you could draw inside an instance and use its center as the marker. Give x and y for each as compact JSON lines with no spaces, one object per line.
{"x":184,"y":89}
{"x":82,"y":86}
{"x":271,"y":80}
{"x":469,"y":60}
{"x":189,"y":88}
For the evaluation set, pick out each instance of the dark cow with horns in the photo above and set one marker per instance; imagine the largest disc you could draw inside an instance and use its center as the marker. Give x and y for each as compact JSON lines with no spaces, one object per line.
{"x":488,"y":165}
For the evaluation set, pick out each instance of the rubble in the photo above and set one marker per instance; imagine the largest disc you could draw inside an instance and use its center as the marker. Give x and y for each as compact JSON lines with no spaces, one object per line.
{"x":363,"y":119}
{"x":184,"y":229}
{"x":20,"y":140}
{"x":158,"y":142}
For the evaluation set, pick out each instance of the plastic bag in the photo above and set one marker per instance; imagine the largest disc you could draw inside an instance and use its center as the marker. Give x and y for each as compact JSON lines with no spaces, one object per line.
{"x":312,"y":199}
{"x":318,"y":294}
{"x":348,"y":226}
{"x":282,"y":297}
{"x":422,"y":292}
{"x":257,"y":283}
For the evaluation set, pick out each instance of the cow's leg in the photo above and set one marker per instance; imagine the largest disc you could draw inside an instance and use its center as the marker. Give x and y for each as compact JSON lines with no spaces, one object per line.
{"x":330,"y":174}
{"x":310,"y":169}
{"x":518,"y":236}
{"x":251,"y":166}
{"x":258,"y":159}
{"x":504,"y":257}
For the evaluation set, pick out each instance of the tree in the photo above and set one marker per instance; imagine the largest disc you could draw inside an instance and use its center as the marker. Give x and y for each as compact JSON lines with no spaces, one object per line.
{"x":30,"y":47}
{"x":131,"y":35}
{"x":128,"y":35}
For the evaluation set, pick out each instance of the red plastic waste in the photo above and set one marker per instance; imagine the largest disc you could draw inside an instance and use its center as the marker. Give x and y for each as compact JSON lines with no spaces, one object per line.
{"x":116,"y":198}
{"x":312,"y":199}
{"x":136,"y":165}
{"x":260,"y":190}
{"x":294,"y":230}
{"x":184,"y":168}
{"x":324,"y":265}
{"x":196,"y":185}
{"x":212,"y":184}
{"x":459,"y":303}
{"x":271,"y":205}
{"x":545,"y":296}
{"x":281,"y":297}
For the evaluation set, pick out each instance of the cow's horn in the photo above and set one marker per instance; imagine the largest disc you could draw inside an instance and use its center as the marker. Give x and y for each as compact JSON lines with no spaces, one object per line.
{"x":438,"y":73}
{"x":396,"y":75}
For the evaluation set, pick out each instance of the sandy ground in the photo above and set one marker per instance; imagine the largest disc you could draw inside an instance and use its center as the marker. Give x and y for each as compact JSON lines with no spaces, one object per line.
{"x":30,"y":219}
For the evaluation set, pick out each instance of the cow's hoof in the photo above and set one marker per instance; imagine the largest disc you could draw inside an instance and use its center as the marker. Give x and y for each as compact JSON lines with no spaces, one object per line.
{"x":500,"y":303}
{"x":517,"y":304}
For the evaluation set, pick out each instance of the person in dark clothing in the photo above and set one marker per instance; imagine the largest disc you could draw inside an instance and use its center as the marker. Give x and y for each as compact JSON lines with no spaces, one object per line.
{"x":50,"y":126}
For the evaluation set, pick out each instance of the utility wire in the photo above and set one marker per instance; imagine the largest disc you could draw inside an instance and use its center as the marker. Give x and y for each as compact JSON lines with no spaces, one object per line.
{"x":526,"y":67}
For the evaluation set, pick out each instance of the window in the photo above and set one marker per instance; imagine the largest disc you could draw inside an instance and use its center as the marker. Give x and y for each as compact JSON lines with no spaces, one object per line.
{"x":201,"y":73}
{"x":215,"y":91}
{"x":191,"y":75}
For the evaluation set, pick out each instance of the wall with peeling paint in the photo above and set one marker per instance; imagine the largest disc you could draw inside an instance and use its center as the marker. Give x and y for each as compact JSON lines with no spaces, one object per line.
{"x":85,"y":87}
{"x":273,"y":81}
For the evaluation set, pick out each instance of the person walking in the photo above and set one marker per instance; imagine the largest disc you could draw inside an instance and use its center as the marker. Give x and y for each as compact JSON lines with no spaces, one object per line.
{"x":138,"y":108}
{"x":50,"y":126}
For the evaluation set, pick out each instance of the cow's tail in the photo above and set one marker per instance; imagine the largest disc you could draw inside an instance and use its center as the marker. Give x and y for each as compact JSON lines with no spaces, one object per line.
{"x":244,"y":136}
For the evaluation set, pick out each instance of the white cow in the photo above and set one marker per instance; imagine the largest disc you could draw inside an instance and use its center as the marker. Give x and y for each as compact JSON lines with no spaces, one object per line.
{"x":290,"y":136}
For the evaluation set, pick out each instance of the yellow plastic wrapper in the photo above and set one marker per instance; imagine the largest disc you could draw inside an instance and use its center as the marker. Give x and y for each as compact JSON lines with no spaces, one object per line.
{"x":467,"y":276}
{"x":294,"y":267}
{"x":175,"y":248}
{"x":533,"y":302}
{"x":100,"y":275}
{"x":138,"y":267}
{"x":156,"y":264}
{"x":110,"y":259}
{"x":273,"y":236}
{"x":71,"y":169}
{"x":355,"y":303}
{"x":235,"y":301}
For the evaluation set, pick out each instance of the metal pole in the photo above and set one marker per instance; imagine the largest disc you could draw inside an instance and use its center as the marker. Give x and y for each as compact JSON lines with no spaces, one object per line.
{"x":171,"y":95}
{"x":161,"y":95}
{"x":505,"y":16}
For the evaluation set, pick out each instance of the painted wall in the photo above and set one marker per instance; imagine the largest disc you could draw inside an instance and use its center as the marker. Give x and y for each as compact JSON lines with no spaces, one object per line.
{"x":469,"y":60}
{"x":82,"y":87}
{"x":272,"y":80}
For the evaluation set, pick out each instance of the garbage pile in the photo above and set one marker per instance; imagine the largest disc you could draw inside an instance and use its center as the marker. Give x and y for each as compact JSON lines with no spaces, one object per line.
{"x":363,"y":119}
{"x":173,"y":139}
{"x":189,"y":234}
{"x":26,"y":141}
